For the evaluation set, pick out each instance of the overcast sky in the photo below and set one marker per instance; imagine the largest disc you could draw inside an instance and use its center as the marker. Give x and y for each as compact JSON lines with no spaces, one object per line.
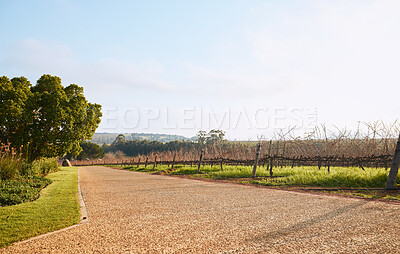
{"x":248,"y":67}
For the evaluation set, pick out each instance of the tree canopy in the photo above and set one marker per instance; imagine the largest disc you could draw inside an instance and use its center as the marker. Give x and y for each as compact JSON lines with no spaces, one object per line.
{"x":90,"y":151}
{"x":212,"y":137}
{"x":48,"y":119}
{"x":143,"y":147}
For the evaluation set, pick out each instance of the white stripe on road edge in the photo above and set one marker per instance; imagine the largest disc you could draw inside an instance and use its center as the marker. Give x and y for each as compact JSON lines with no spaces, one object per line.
{"x":84,"y":216}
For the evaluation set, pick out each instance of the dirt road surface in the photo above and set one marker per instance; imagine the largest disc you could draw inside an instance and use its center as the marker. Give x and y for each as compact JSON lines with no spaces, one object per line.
{"x":132,"y":212}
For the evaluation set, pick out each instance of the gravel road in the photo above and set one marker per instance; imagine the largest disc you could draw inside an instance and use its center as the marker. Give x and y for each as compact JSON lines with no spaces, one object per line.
{"x":140,"y":213}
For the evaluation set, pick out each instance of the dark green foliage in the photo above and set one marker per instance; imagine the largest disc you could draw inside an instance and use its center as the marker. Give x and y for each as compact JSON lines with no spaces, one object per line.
{"x":119,"y":139}
{"x":155,"y":137}
{"x":109,"y":138}
{"x":14,"y":95}
{"x":48,"y":119}
{"x":20,"y":180}
{"x":90,"y":151}
{"x":13,"y":192}
{"x":136,"y":147}
{"x":45,"y":166}
{"x":27,"y":169}
{"x":39,"y":167}
{"x":144,"y":147}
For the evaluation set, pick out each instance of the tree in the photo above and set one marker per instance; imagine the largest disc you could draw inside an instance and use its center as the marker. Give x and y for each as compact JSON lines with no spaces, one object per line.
{"x":49,"y":118}
{"x":201,"y":137}
{"x":215,"y":136}
{"x":212,"y":137}
{"x":14,"y":94}
{"x":119,"y":139}
{"x":90,"y":151}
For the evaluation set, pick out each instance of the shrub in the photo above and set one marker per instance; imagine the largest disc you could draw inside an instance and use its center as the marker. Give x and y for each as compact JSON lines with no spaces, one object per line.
{"x":27,"y":169}
{"x":20,"y":180}
{"x":44,"y":166}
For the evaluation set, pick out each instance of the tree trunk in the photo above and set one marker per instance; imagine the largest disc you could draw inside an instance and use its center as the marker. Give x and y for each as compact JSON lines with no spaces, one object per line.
{"x":256,"y":160}
{"x":201,"y":157}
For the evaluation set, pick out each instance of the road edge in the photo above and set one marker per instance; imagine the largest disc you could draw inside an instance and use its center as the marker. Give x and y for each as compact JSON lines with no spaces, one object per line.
{"x":82,"y":204}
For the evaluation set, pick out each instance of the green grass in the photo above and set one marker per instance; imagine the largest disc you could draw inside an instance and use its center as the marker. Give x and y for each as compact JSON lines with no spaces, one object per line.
{"x":57,"y":208}
{"x":337,"y":177}
{"x":357,"y":182}
{"x":286,"y":176}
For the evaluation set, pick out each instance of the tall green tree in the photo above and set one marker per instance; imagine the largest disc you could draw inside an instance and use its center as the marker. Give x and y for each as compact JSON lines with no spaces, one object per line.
{"x":201,"y":137}
{"x":49,"y":118}
{"x":90,"y":151}
{"x":119,"y":139}
{"x":14,"y":94}
{"x":212,"y":137}
{"x":215,"y":136}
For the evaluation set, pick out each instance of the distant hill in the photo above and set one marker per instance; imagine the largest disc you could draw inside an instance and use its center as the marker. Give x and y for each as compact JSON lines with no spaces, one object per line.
{"x":108,"y":138}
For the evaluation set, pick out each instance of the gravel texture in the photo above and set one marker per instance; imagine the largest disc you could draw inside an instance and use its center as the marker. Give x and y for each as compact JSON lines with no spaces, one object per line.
{"x":132,"y":212}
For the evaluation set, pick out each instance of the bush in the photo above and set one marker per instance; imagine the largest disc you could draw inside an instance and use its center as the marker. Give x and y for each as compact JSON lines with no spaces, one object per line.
{"x":44,"y":166}
{"x":14,"y":168}
{"x":27,"y":169}
{"x":20,"y":180}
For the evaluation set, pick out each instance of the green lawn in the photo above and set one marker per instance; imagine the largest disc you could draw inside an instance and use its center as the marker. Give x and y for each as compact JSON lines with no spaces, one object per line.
{"x":56,"y":208}
{"x":285,"y":176}
{"x":361,"y":182}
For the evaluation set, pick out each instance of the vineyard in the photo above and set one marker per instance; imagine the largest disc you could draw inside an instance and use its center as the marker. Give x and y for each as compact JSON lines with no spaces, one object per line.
{"x":371,"y":145}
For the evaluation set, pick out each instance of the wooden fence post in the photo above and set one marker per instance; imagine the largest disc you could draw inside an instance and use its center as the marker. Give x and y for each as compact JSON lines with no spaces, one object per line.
{"x":283,"y":154}
{"x":201,"y":157}
{"x":256,"y":160}
{"x":269,"y":154}
{"x":155,"y":162}
{"x":329,"y":166}
{"x":391,"y":181}
{"x":271,"y":164}
{"x":173,"y":162}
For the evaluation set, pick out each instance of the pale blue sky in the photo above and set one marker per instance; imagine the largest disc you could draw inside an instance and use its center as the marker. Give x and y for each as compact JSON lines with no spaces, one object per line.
{"x":257,"y":62}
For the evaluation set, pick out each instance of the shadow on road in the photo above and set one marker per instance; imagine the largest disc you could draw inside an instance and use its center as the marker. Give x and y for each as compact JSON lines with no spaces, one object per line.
{"x":273,"y":236}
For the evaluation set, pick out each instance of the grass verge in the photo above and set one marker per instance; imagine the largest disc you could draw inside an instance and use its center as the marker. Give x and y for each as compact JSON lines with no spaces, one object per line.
{"x":56,"y":208}
{"x":347,"y":181}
